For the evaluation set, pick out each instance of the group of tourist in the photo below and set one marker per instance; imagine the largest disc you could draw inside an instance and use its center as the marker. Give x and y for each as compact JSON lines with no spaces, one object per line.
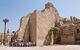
{"x":22,"y":44}
{"x":19,"y":44}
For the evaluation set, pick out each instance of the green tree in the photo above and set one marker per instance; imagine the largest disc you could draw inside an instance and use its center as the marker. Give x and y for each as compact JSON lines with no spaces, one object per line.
{"x":5,"y":22}
{"x":54,"y":31}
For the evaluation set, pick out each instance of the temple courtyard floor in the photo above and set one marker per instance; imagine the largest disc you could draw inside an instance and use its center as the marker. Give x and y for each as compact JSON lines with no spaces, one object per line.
{"x":55,"y":47}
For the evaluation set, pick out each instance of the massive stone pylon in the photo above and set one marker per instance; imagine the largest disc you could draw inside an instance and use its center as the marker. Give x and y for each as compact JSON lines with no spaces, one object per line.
{"x":37,"y":24}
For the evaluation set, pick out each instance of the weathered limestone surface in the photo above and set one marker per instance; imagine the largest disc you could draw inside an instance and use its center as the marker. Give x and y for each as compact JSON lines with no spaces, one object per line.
{"x":68,"y":36}
{"x":45,"y":20}
{"x":37,"y":24}
{"x":32,"y":26}
{"x":23,"y":26}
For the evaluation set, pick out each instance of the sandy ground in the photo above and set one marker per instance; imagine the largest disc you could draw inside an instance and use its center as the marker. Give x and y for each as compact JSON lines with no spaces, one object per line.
{"x":56,"y":47}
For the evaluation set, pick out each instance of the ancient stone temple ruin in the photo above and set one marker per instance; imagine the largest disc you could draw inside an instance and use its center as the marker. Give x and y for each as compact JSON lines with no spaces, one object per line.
{"x":36,"y":25}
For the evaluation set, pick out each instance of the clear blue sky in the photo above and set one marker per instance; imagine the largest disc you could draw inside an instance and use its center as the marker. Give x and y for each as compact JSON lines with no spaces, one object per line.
{"x":15,"y":9}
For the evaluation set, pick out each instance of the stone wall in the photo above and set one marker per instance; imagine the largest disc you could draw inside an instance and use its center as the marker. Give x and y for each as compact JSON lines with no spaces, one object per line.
{"x":45,"y":20}
{"x":32,"y":26}
{"x":23,"y":26}
{"x":37,"y":24}
{"x":68,"y":35}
